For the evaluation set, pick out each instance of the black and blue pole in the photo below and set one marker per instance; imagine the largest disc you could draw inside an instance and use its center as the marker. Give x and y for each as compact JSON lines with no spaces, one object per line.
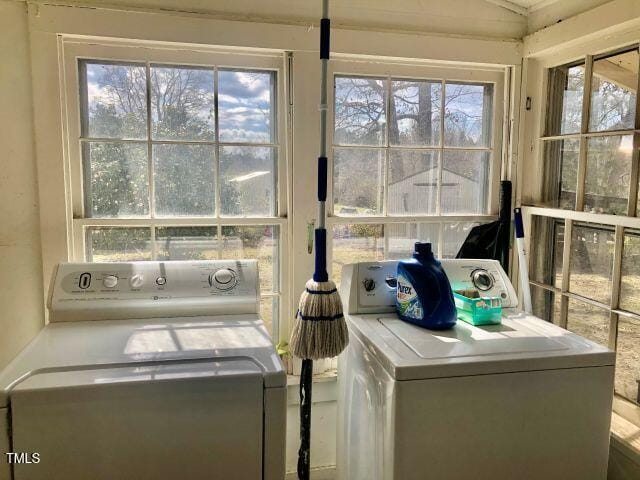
{"x":320,"y":236}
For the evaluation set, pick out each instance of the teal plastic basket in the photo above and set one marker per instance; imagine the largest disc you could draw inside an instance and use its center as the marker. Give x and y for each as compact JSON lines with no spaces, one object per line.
{"x":476,"y":309}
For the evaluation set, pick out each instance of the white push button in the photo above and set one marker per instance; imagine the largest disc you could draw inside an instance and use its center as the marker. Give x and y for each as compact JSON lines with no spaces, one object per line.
{"x":136,"y":281}
{"x":110,"y":281}
{"x":223,"y":276}
{"x":161,"y":280}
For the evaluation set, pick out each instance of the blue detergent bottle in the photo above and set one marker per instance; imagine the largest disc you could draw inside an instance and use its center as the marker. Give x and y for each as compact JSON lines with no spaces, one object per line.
{"x":423,"y":292}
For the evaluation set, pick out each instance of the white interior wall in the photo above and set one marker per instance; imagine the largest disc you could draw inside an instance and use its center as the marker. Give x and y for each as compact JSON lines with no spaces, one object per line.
{"x":21,"y":306}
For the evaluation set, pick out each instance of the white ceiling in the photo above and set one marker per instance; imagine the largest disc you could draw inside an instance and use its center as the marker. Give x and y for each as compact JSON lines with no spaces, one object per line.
{"x":508,"y":19}
{"x":531,"y":3}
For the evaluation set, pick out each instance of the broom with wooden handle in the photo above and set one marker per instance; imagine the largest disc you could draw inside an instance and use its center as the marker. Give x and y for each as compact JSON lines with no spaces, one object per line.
{"x":319,"y":330}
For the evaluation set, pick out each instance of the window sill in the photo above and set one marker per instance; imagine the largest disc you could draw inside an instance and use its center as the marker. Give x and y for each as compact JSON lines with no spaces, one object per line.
{"x":324,"y":387}
{"x":625,"y":437}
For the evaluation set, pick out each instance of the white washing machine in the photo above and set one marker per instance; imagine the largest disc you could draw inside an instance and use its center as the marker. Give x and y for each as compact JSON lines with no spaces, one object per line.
{"x":521,"y":400}
{"x":147,"y":370}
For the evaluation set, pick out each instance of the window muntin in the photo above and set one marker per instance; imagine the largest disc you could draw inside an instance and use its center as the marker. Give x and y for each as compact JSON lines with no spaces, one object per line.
{"x":560,"y":172}
{"x":614,"y":83}
{"x":591,"y":262}
{"x":395,"y":154}
{"x":180,"y":162}
{"x":630,"y":281}
{"x":627,"y":358}
{"x":608,"y":173}
{"x":449,"y":174}
{"x":566,"y":90}
{"x":584,"y":276}
{"x":547,"y":250}
{"x":588,"y":321}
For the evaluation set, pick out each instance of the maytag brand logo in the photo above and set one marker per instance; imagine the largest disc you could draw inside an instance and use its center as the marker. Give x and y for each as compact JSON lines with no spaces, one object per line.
{"x":17,"y":458}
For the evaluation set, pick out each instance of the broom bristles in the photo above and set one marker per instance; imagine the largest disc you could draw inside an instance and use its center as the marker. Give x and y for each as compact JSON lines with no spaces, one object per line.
{"x":320,"y":330}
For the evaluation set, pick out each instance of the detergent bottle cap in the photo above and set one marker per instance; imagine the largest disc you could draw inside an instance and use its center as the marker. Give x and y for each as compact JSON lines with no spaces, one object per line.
{"x":423,"y":249}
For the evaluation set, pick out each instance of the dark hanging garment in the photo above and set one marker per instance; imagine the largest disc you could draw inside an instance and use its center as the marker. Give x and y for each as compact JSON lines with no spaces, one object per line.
{"x":491,"y":240}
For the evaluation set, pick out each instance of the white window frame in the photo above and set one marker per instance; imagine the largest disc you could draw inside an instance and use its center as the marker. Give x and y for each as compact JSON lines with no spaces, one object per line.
{"x":76,"y":50}
{"x":532,"y":206}
{"x":353,"y":66}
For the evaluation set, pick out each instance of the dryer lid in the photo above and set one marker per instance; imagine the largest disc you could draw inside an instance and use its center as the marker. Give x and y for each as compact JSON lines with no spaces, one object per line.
{"x":95,"y":345}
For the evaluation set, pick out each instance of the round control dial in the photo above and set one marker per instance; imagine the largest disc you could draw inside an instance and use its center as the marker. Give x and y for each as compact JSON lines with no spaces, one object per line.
{"x":110,"y":281}
{"x":369,"y":284}
{"x":136,"y":280}
{"x":223,"y":279}
{"x":482,"y":280}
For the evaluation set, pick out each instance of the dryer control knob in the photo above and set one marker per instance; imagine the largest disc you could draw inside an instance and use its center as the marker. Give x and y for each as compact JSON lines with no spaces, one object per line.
{"x":223,"y":279}
{"x":136,"y":280}
{"x":110,"y":281}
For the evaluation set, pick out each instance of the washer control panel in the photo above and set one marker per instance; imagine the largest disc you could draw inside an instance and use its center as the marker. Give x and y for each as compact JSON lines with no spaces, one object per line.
{"x":85,"y":291}
{"x":370,"y":287}
{"x":487,"y":276}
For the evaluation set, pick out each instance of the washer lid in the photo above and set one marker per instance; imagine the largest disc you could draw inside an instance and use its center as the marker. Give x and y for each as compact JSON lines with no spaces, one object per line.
{"x":465,"y":340}
{"x":521,"y":343}
{"x":94,"y":345}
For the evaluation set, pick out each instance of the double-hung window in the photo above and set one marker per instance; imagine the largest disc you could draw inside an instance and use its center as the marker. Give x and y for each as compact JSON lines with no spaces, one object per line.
{"x":585,"y":256}
{"x":416,"y":157}
{"x":177,"y":155}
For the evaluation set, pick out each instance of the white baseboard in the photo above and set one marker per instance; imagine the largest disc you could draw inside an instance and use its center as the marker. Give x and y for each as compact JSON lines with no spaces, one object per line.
{"x":320,"y":473}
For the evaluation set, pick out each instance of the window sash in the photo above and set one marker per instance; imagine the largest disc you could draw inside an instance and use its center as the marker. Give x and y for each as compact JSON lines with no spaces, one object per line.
{"x":117,"y":52}
{"x":389,"y":71}
{"x":620,"y":223}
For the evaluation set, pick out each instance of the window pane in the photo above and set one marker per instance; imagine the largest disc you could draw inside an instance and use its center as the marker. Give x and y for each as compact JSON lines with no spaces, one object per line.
{"x":182,"y":103}
{"x":403,"y":236}
{"x":246,"y":106}
{"x":184,"y":180}
{"x":546,"y":304}
{"x":591,"y":262}
{"x":413,"y":182}
{"x":453,"y":235}
{"x":630,"y":286}
{"x":259,"y":242}
{"x":116,"y":179}
{"x":248,"y":181}
{"x":116,"y":100}
{"x":186,"y":243}
{"x":269,"y":307}
{"x":115,"y":244}
{"x":560,"y":173}
{"x":628,"y":359}
{"x":465,"y":182}
{"x":467,"y":115}
{"x":566,"y":88}
{"x":613,"y":92}
{"x":358,"y":181}
{"x":415,"y":113}
{"x":608,"y":174}
{"x":360,"y":116}
{"x":588,"y":321}
{"x":546,"y":250}
{"x":356,"y":243}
